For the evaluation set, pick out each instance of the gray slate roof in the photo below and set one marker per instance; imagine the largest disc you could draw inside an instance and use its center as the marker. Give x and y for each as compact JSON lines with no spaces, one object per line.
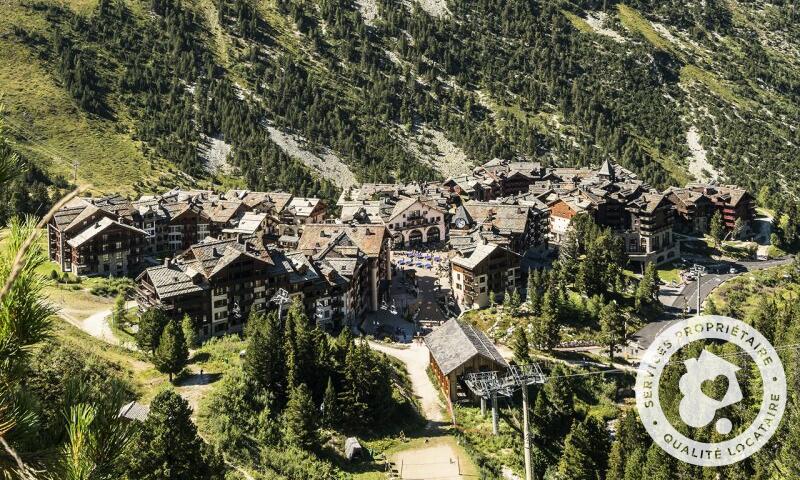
{"x":457,"y":342}
{"x":134,"y":411}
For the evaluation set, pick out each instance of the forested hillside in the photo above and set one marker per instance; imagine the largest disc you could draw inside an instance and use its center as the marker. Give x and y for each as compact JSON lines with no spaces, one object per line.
{"x":284,"y":93}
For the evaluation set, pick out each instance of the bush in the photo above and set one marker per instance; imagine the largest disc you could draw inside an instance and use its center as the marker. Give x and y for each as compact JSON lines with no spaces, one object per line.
{"x":111,"y":287}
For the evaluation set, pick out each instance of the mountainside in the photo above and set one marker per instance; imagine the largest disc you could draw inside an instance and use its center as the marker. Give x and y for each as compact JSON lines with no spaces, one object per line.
{"x":313,"y":95}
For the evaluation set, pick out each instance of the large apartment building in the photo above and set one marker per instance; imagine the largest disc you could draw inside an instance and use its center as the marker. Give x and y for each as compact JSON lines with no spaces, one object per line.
{"x":96,"y":237}
{"x":156,"y":226}
{"x":216,"y":282}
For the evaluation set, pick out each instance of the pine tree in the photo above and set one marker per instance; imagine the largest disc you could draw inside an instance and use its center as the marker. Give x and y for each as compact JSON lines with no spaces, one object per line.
{"x":119,"y":313}
{"x":171,"y":354}
{"x":297,"y":421}
{"x":646,"y":297}
{"x":189,"y":332}
{"x":151,"y":324}
{"x":612,"y":327}
{"x":717,"y":228}
{"x":330,"y":405}
{"x":657,"y":465}
{"x":168,"y":447}
{"x":585,"y":450}
{"x":520,"y":346}
{"x":263,"y":361}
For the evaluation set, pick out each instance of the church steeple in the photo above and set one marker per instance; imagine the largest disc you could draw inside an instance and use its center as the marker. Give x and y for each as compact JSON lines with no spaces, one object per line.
{"x":607,"y":171}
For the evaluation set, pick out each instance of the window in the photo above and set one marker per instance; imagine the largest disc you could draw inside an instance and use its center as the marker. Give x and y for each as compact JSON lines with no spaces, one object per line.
{"x":119,"y":245}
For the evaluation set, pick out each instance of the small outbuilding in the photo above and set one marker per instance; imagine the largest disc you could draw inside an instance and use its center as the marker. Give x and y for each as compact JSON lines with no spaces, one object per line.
{"x":134,"y":411}
{"x":457,"y":348}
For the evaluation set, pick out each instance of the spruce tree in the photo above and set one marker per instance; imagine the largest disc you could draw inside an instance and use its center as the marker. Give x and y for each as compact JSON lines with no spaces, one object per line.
{"x":646,"y":296}
{"x":520,"y":346}
{"x":717,"y":228}
{"x":546,"y":331}
{"x":189,"y":332}
{"x":585,"y":450}
{"x":263,"y":360}
{"x":119,"y":313}
{"x":168,"y":447}
{"x":657,"y":464}
{"x":612,"y":327}
{"x":298,"y":420}
{"x":151,"y":324}
{"x":634,"y":465}
{"x":171,"y":354}
{"x":330,"y":404}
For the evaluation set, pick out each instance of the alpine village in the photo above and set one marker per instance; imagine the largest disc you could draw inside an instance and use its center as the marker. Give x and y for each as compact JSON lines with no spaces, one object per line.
{"x":383,"y":239}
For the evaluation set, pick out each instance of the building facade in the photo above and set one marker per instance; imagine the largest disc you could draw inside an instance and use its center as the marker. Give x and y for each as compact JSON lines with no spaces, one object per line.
{"x":489,"y":268}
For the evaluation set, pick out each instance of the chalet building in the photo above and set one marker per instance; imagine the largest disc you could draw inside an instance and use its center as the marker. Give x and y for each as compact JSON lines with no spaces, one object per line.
{"x":518,"y":227}
{"x":693,"y":210}
{"x":348,"y":294}
{"x":415,"y":221}
{"x":216,"y":282}
{"x":562,"y":211}
{"x":513,"y":177}
{"x":96,"y":236}
{"x":458,"y":348}
{"x":649,"y":238}
{"x":172,"y":227}
{"x":107,"y":247}
{"x":224,"y":214}
{"x":488,"y":268}
{"x":251,"y":225}
{"x":326,"y":242}
{"x":732,"y":202}
{"x":302,"y":211}
{"x":473,"y":188}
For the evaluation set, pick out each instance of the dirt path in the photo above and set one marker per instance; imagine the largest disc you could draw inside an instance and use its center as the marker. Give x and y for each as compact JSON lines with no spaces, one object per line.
{"x":415,"y":359}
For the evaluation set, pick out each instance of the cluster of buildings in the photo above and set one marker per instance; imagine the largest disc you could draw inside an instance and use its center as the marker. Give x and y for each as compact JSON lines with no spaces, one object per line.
{"x":218,"y":256}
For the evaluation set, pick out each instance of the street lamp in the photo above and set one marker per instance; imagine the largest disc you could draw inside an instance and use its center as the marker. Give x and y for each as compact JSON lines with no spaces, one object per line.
{"x":698,"y":271}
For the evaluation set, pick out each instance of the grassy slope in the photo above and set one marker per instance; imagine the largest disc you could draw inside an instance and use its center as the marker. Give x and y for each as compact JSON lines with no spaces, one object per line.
{"x":50,"y":129}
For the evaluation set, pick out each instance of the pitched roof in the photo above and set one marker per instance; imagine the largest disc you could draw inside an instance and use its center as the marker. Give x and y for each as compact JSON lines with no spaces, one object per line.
{"x":457,"y":342}
{"x":407,"y":202}
{"x":134,"y":411}
{"x":211,"y":255}
{"x":369,"y":238}
{"x":481,"y":253}
{"x":224,"y":211}
{"x":513,"y":218}
{"x":303,"y":206}
{"x":249,"y":224}
{"x":99,"y":226}
{"x":173,"y":280}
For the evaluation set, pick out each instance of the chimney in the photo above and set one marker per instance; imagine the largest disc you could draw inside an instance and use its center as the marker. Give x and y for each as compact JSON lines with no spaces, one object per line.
{"x":167,"y":262}
{"x":215,"y":252}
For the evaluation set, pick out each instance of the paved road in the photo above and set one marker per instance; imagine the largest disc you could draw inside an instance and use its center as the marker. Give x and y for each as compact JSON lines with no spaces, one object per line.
{"x":688,"y":295}
{"x":676,"y":300}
